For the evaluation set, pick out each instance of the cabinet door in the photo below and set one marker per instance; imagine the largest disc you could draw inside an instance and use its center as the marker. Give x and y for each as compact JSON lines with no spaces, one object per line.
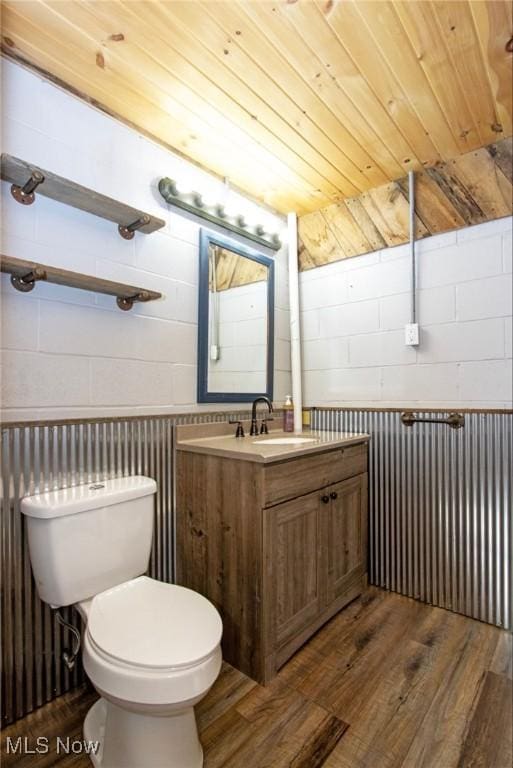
{"x":292,"y":538}
{"x":345,"y":533}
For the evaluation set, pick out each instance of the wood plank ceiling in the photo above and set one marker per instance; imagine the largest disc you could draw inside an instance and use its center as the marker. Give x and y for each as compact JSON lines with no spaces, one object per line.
{"x":234,"y":270}
{"x":471,"y":189}
{"x":299,"y":104}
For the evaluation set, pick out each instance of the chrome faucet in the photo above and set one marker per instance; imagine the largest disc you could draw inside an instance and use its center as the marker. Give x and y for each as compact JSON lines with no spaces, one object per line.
{"x":254,"y":426}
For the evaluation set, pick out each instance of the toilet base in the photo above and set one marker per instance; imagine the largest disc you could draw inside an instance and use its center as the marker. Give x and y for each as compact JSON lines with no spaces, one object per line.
{"x":132,"y":740}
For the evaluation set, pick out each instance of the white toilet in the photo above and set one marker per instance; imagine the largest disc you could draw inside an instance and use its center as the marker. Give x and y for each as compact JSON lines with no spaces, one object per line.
{"x":152,"y":650}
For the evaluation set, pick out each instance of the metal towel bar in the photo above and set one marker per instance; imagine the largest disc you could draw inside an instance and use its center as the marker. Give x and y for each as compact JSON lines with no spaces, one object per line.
{"x":454,"y":420}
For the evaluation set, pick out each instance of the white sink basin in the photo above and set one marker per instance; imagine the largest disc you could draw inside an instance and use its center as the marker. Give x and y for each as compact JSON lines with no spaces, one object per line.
{"x":285,"y":441}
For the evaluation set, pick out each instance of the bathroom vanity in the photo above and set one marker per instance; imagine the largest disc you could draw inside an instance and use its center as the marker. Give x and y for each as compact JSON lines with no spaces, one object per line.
{"x":275,"y":535}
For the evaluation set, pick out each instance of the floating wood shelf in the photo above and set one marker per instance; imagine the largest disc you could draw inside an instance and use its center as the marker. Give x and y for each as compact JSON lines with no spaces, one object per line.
{"x":25,"y":274}
{"x":27,"y":178}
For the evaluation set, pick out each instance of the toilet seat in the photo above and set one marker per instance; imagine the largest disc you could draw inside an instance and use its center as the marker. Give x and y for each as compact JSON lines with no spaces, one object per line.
{"x":151,"y":625}
{"x":152,"y":643}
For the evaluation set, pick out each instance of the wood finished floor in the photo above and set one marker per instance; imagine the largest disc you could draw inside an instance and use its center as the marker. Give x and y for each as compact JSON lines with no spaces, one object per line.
{"x":388,"y":683}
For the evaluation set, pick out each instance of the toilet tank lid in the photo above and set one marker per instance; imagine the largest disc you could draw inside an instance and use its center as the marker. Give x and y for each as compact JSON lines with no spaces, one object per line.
{"x":81,"y":498}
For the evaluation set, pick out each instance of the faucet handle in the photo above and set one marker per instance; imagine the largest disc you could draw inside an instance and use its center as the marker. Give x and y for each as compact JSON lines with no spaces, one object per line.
{"x":263,"y":427}
{"x":240,"y":429}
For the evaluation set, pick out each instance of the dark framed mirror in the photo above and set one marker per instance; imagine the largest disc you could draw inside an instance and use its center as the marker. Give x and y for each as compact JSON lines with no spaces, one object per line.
{"x":235,"y":322}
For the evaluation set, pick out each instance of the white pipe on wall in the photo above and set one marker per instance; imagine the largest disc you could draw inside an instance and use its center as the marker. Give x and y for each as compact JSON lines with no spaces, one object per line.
{"x":295,"y":333}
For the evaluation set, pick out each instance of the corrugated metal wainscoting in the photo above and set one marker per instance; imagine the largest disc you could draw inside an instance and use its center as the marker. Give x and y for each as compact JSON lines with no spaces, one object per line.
{"x":39,"y":458}
{"x":440,"y":519}
{"x":440,"y":526}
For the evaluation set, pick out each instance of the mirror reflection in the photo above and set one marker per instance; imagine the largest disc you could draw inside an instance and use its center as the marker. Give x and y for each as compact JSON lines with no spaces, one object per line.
{"x":238,"y":322}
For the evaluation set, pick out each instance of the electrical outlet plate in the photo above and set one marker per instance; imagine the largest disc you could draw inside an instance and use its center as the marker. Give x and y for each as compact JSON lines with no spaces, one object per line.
{"x":411,"y":334}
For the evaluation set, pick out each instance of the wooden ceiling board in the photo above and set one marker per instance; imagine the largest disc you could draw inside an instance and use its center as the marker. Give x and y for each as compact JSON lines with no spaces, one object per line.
{"x":318,"y":238}
{"x":502,"y":154}
{"x":362,"y":219}
{"x":494,"y":26}
{"x":431,"y":49}
{"x":250,"y":51}
{"x":313,"y":49}
{"x":457,"y":193}
{"x":333,"y":220}
{"x":214,"y":34}
{"x":77,"y":73}
{"x":432,"y":206}
{"x":188,"y":92}
{"x":460,"y":35}
{"x":225,"y":262}
{"x":299,"y":104}
{"x":386,"y":33}
{"x":207,"y":144}
{"x":343,"y":16}
{"x":485,"y":181}
{"x":140,"y":112}
{"x":389,"y":210}
{"x":179,"y":59}
{"x":247,"y":272}
{"x":233,"y":270}
{"x":470,"y":189}
{"x":147,"y":73}
{"x":345,"y":228}
{"x":328,"y":176}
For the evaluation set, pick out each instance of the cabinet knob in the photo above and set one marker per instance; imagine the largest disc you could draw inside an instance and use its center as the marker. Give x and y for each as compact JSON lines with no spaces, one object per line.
{"x":333,"y":494}
{"x":325,"y":499}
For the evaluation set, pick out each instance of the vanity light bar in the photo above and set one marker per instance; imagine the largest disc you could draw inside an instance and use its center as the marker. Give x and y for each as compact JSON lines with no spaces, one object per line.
{"x":193,"y":203}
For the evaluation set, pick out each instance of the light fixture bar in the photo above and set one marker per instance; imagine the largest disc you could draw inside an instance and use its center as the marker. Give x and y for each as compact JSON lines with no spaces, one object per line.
{"x":193,"y":203}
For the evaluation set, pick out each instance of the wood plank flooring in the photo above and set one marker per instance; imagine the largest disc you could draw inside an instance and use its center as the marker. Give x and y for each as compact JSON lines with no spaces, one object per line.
{"x":388,"y":683}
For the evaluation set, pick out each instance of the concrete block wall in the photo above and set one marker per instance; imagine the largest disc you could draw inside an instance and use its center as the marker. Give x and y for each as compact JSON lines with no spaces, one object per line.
{"x":242,"y":334}
{"x":71,"y":354}
{"x":353,"y":314}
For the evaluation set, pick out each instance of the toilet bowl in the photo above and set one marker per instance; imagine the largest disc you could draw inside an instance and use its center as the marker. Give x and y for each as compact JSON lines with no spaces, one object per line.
{"x":151,"y":650}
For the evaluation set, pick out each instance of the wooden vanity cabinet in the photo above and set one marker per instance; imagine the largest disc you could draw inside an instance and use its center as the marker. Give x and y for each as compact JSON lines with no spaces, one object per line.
{"x":293,"y":567}
{"x":345,"y":532}
{"x":279,"y":548}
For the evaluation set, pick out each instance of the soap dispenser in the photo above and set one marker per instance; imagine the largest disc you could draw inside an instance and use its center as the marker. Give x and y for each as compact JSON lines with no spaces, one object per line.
{"x":288,"y":415}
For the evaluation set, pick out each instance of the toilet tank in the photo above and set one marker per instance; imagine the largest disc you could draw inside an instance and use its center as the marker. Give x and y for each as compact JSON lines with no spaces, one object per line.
{"x":88,"y":538}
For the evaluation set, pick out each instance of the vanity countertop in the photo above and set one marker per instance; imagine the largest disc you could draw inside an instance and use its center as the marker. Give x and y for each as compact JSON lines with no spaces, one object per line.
{"x":257,"y":449}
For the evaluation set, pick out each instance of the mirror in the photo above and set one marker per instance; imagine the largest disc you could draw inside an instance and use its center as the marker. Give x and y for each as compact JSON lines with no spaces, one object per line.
{"x":236,"y":311}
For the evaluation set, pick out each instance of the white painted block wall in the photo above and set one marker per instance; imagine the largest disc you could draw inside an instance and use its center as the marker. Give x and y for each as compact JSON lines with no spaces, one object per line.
{"x":242,"y":333}
{"x":353,"y":314}
{"x":69,"y":354}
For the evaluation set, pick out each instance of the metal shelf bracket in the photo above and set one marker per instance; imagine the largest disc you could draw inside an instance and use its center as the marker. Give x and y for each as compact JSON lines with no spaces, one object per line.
{"x":26,"y":194}
{"x":127,"y":232}
{"x":26,"y":283}
{"x":127,"y":302}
